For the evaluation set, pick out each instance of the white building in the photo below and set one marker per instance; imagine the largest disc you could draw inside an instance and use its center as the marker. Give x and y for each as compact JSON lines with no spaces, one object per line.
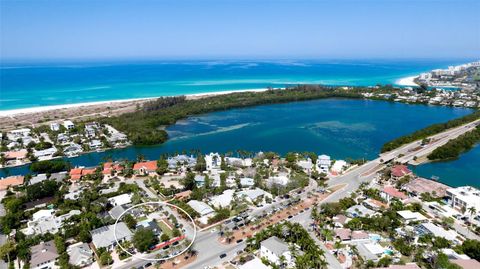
{"x":68,"y":125}
{"x":278,"y":180}
{"x":339,"y":166}
{"x":44,"y":221}
{"x":223,"y":200}
{"x":247,"y":182}
{"x":306,"y":165}
{"x":464,"y":197}
{"x":273,"y":249}
{"x":201,"y":208}
{"x":409,"y":216}
{"x":80,"y":254}
{"x":55,"y":126}
{"x":121,"y":199}
{"x":323,"y":163}
{"x":213,"y":161}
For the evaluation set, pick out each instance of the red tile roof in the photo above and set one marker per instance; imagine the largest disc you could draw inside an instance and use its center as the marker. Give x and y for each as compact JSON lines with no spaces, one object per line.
{"x":109,"y":166}
{"x":19,"y":154}
{"x":394,"y":192}
{"x":88,"y":171}
{"x":150,"y":166}
{"x":11,"y":181}
{"x":400,"y":171}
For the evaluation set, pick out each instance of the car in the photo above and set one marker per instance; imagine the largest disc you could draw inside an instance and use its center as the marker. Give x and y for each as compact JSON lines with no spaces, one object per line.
{"x":223,"y":255}
{"x":290,"y":216}
{"x":239,"y":241}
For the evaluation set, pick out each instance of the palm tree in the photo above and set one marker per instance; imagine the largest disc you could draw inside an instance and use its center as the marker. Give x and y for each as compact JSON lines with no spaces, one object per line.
{"x":472,"y":210}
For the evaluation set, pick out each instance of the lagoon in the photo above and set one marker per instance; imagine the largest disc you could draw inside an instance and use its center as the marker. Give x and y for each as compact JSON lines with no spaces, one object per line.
{"x":342,"y":128}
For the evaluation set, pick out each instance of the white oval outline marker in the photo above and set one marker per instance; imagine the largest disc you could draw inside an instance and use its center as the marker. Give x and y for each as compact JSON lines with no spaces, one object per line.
{"x":160,"y":259}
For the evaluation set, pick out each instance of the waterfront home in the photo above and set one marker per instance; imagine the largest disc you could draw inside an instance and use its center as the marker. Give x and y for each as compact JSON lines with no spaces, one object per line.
{"x":104,"y":237}
{"x":111,"y":168}
{"x":37,"y":179}
{"x":95,"y":144}
{"x":338,"y":167}
{"x":78,"y":173}
{"x":43,"y":255}
{"x":72,"y":150}
{"x":273,"y":249}
{"x":418,"y":186}
{"x":399,"y":171}
{"x":145,"y":168}
{"x":45,"y":154}
{"x":389,"y":192}
{"x":68,"y":125}
{"x":18,"y":133}
{"x":464,"y":198}
{"x":11,"y":181}
{"x":181,"y":160}
{"x":80,"y":254}
{"x":213,"y":161}
{"x":408,"y":216}
{"x":306,"y":165}
{"x":238,"y":162}
{"x":55,"y":126}
{"x":323,"y":163}
{"x":121,"y":199}
{"x":17,"y":155}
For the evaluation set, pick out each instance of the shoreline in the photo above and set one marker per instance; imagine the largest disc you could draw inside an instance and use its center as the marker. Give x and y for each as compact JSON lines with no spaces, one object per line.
{"x":407,"y":81}
{"x":39,"y":109}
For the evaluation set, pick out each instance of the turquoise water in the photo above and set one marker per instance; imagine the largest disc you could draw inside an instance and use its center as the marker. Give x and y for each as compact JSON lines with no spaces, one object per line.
{"x":462,"y":171}
{"x":24,"y":85}
{"x":337,"y":127}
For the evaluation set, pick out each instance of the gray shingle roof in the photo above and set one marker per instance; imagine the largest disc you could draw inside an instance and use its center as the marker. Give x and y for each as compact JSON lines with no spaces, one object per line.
{"x":275,"y":245}
{"x":104,"y":236}
{"x":80,"y":254}
{"x":43,"y":252}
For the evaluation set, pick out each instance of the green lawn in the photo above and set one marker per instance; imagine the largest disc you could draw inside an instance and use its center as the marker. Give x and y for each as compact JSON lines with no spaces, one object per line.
{"x":165,"y":229}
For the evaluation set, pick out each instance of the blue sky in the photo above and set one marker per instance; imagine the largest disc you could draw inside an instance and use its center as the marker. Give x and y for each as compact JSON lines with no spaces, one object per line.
{"x":66,"y":29}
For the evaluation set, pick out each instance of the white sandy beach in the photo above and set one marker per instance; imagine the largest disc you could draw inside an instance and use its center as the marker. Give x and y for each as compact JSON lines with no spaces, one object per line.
{"x":407,"y":81}
{"x":13,"y":112}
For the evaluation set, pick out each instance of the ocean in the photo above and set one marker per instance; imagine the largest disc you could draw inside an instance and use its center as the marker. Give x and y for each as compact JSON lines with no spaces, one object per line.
{"x":36,"y":84}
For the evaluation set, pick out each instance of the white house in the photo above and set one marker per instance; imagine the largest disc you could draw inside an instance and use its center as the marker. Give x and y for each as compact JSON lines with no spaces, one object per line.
{"x":68,"y":125}
{"x":80,"y":254}
{"x":464,"y":197}
{"x":306,"y":165}
{"x":223,"y":200}
{"x":323,"y":163}
{"x":213,"y":161}
{"x":247,"y":182}
{"x":273,"y":249}
{"x":121,"y":199}
{"x":201,"y":208}
{"x":338,"y":166}
{"x":55,"y":126}
{"x":281,"y":179}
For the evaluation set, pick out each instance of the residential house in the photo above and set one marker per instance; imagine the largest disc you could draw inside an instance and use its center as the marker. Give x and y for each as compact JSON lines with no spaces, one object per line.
{"x":273,"y":249}
{"x":121,"y":199}
{"x":80,"y":254}
{"x":389,"y":193}
{"x":338,"y":167}
{"x":247,"y":182}
{"x":399,"y":171}
{"x":213,"y":161}
{"x":43,"y":255}
{"x":55,"y":126}
{"x":150,"y":225}
{"x":145,"y":168}
{"x":11,"y":181}
{"x":430,"y":228}
{"x":104,"y":237}
{"x":464,"y":198}
{"x":323,"y":163}
{"x":408,"y":216}
{"x":68,"y":125}
{"x":359,"y":211}
{"x":418,"y":186}
{"x":44,"y":221}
